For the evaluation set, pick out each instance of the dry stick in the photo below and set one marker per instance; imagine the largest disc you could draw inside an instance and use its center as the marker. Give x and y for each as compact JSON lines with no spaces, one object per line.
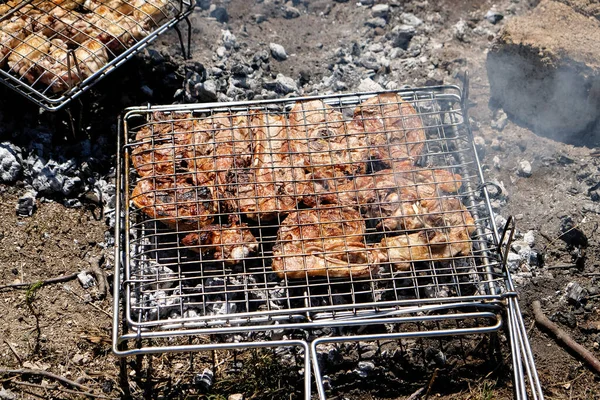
{"x":14,"y":352}
{"x":46,"y":374}
{"x":58,"y":279}
{"x":62,"y":389}
{"x":416,"y":394}
{"x":96,"y":269}
{"x":563,"y":337}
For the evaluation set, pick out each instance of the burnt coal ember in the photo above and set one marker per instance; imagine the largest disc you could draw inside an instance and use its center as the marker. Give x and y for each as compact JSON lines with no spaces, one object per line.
{"x":571,"y":234}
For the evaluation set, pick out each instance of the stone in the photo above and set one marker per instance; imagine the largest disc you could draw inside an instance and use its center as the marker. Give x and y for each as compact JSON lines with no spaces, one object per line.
{"x":548,"y":78}
{"x":367,"y":3}
{"x":369,"y":85}
{"x":575,"y":293}
{"x":376,"y":22}
{"x":460,"y":30}
{"x":290,"y":12}
{"x":496,"y":162}
{"x":524,"y":169}
{"x":380,"y":10}
{"x":401,"y":36}
{"x":283,"y":84}
{"x":220,"y":14}
{"x":410,"y":19}
{"x":221,"y":51}
{"x":278,"y":51}
{"x":529,"y":238}
{"x":493,"y":16}
{"x":86,"y":280}
{"x":500,"y":121}
{"x":203,"y":4}
{"x":26,"y":204}
{"x":10,"y":162}
{"x":479,"y":142}
{"x":229,"y":39}
{"x":208,"y":90}
{"x":259,"y":18}
{"x":236,"y":396}
{"x":6,"y":394}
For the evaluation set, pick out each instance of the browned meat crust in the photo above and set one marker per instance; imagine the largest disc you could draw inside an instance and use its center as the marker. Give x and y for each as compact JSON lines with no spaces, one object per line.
{"x":394,"y":131}
{"x":323,"y":242}
{"x":230,"y":243}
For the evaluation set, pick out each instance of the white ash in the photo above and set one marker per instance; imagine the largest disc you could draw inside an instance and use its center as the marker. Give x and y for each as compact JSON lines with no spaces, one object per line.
{"x":574,"y":293}
{"x":86,"y":279}
{"x":163,"y":277}
{"x":364,"y":368}
{"x":229,"y":39}
{"x":10,"y":162}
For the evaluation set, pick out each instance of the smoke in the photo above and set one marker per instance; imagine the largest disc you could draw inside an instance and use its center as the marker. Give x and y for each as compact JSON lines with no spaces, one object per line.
{"x":558,"y":100}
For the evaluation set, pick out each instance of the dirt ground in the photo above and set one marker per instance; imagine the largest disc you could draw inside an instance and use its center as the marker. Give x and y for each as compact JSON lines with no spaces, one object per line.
{"x":65,"y":329}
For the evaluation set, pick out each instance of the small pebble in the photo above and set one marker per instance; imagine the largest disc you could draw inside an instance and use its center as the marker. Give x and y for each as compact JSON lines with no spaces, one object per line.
{"x":524,"y":169}
{"x":278,"y":51}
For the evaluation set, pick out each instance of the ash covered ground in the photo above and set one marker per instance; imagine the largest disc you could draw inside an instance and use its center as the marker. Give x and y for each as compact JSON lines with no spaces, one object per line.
{"x":58,"y":198}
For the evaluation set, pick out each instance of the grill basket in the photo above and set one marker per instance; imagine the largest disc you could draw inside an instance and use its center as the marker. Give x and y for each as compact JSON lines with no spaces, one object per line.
{"x":52,"y":52}
{"x":404,"y":265}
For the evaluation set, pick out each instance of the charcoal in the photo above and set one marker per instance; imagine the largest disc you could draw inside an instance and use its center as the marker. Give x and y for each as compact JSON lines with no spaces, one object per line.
{"x":364,"y":368}
{"x":380,"y":10}
{"x":220,"y":14}
{"x":401,"y":35}
{"x":204,"y":381}
{"x":10,"y":162}
{"x":278,"y":51}
{"x":410,"y":19}
{"x":377,"y":22}
{"x":524,"y":169}
{"x":290,"y":12}
{"x":571,"y":234}
{"x":493,"y":16}
{"x":575,"y":293}
{"x":26,"y":204}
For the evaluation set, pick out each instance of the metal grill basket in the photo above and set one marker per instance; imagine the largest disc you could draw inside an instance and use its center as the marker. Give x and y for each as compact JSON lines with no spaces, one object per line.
{"x":53,"y":51}
{"x":407,"y":262}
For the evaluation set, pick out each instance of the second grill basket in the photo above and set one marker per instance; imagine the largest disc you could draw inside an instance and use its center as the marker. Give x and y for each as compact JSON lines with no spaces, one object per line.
{"x":51,"y":51}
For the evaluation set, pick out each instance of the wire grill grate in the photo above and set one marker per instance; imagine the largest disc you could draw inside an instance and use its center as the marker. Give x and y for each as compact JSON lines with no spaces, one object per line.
{"x":370,"y":204}
{"x":51,"y":51}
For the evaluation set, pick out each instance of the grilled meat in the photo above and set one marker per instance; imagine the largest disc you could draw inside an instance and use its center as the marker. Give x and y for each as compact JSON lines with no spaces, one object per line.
{"x":12,"y":33}
{"x":427,"y":245}
{"x":394,"y":196}
{"x":273,"y":183}
{"x":230,"y":243}
{"x":24,"y":57}
{"x":329,"y":151}
{"x":176,"y":202}
{"x":323,"y":242}
{"x":394,"y":132}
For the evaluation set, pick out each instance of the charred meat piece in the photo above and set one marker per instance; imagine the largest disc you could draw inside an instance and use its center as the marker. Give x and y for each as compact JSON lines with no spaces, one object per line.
{"x":230,"y":243}
{"x":176,"y":202}
{"x":168,"y":147}
{"x":24,"y":58}
{"x":394,"y":197}
{"x":426,"y":245}
{"x":394,"y":132}
{"x":323,"y":242}
{"x":330,"y":152}
{"x":274,"y":183}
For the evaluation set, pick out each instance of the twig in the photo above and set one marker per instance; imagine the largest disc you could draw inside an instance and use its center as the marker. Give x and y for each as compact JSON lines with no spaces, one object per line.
{"x":561,"y":266}
{"x":14,"y":352}
{"x":58,"y":279}
{"x":563,"y":337}
{"x":416,"y":394}
{"x":433,"y":377}
{"x":62,"y":389}
{"x":69,"y":290}
{"x":39,"y":372}
{"x":559,"y":236}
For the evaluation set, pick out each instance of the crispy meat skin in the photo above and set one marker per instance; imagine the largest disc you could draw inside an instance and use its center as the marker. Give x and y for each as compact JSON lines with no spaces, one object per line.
{"x":394,"y":132}
{"x":329,"y":151}
{"x":323,"y":242}
{"x":274,"y":182}
{"x":177,"y":203}
{"x":394,"y":196}
{"x":424,"y":246}
{"x":230,"y":243}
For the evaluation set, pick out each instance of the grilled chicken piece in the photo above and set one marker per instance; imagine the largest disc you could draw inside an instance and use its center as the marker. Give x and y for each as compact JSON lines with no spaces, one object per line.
{"x":150,"y":13}
{"x":115,"y":25}
{"x":12,"y":33}
{"x":91,"y":56}
{"x":393,"y":130}
{"x":427,"y":245}
{"x":169,"y":146}
{"x":330,"y":152}
{"x":25,"y":56}
{"x":323,"y":242}
{"x":230,"y":243}
{"x":177,"y":203}
{"x":273,"y":183}
{"x":395,"y":197}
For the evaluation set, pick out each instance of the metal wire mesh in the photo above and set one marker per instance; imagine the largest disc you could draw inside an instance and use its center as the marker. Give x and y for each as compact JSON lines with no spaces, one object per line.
{"x":53,"y":50}
{"x":306,"y":211}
